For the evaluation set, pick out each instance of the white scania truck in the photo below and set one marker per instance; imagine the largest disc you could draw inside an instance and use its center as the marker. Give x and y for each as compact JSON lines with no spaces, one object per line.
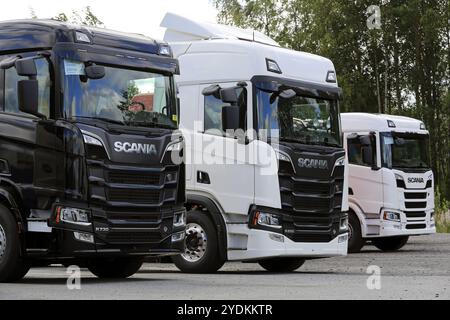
{"x":390,"y":181}
{"x":275,"y":193}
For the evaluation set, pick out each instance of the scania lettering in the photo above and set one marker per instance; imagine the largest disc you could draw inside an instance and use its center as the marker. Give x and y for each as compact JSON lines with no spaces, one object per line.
{"x":135,"y":148}
{"x":265,"y":122}
{"x":390,"y":180}
{"x":88,"y":134}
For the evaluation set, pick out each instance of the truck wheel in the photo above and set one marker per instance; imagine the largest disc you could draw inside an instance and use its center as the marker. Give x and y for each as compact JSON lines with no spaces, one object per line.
{"x":390,"y":244}
{"x":201,"y":253}
{"x":355,"y":240}
{"x":282,"y":264}
{"x":12,"y":266}
{"x":115,"y":268}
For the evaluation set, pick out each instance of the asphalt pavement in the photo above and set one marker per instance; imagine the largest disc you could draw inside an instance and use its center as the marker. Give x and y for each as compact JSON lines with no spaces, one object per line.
{"x":421,"y":270}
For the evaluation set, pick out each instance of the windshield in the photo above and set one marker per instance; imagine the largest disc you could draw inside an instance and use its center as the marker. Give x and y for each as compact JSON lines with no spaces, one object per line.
{"x":405,"y":150}
{"x":122,"y":96}
{"x":291,"y":117}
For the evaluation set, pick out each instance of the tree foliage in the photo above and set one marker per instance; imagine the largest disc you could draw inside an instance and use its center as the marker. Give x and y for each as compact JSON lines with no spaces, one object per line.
{"x":86,"y":17}
{"x":402,"y":68}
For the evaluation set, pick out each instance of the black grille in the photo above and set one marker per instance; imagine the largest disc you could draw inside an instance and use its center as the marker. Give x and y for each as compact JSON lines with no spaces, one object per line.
{"x":415,"y":205}
{"x":312,"y":188}
{"x":416,"y":226}
{"x":315,"y":237}
{"x":415,"y":214}
{"x":135,"y":215}
{"x":133,"y":178}
{"x":133,"y":237}
{"x":309,"y":204}
{"x":134,"y":196}
{"x":416,"y":195}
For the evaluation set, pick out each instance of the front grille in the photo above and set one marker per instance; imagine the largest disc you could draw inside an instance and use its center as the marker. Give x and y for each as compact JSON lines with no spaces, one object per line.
{"x":416,"y":226}
{"x":308,"y":204}
{"x":312,"y":188}
{"x":416,"y":195}
{"x":133,"y":178}
{"x":135,"y":215}
{"x":134,"y":196}
{"x":133,"y":237}
{"x":415,"y":205}
{"x":312,"y":207}
{"x":415,"y":214}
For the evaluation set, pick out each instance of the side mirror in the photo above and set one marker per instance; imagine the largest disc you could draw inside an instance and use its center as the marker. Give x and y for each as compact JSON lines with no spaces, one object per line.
{"x":229,"y":95}
{"x":212,"y":90}
{"x":95,"y":72}
{"x":26,"y":67}
{"x":367,"y":155}
{"x":28,"y":96}
{"x":230,"y":118}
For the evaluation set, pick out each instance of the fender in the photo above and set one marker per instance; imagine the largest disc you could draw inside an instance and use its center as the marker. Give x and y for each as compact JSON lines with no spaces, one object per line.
{"x":217,"y":219}
{"x":356,"y":209}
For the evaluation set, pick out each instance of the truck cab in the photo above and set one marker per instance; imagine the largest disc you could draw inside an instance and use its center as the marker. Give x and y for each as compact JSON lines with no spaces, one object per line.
{"x":390,"y":180}
{"x":266,"y":165}
{"x":88,"y":149}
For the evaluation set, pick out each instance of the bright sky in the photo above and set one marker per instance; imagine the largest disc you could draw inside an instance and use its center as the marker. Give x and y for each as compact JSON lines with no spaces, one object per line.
{"x":139,"y":16}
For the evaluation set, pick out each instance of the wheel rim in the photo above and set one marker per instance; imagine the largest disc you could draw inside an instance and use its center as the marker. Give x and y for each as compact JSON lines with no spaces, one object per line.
{"x":350,"y":232}
{"x":195,"y":243}
{"x":2,"y":242}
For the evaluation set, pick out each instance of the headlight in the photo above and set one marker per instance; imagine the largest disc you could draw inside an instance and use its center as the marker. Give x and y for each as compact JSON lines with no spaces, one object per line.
{"x":282,"y":156}
{"x":266,"y":220}
{"x":391,"y":216}
{"x":179,"y":219}
{"x":73,"y":215}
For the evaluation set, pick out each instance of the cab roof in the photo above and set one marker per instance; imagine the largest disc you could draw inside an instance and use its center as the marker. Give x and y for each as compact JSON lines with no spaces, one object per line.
{"x":365,"y":122}
{"x":214,"y":53}
{"x":25,"y":35}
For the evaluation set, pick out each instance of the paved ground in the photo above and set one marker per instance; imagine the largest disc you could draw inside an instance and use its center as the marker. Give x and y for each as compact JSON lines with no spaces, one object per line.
{"x":420,"y":271}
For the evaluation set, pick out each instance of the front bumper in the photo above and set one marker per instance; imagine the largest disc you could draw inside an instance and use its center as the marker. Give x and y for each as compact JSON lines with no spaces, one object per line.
{"x":407,"y":226}
{"x":261,"y":244}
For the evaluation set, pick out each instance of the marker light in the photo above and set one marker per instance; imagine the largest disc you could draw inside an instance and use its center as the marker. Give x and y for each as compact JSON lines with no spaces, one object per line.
{"x":82,"y":37}
{"x":178,"y":236}
{"x":179,"y":219}
{"x":272,"y":66}
{"x":91,"y":140}
{"x":165,"y":51}
{"x":422,"y":126}
{"x":391,"y":124}
{"x":331,"y":77}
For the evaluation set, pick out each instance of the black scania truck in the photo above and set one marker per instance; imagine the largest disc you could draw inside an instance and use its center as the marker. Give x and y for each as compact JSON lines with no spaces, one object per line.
{"x":88,"y":149}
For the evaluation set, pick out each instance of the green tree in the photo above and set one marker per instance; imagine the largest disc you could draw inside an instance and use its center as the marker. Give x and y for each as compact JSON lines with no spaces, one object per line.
{"x":85,"y":17}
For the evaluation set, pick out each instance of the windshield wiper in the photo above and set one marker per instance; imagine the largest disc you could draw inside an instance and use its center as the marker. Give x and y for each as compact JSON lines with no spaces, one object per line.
{"x":103,"y":119}
{"x":151,"y":124}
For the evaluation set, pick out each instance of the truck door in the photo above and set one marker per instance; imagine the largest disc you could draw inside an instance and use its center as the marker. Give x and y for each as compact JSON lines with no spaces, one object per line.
{"x":365,"y":176}
{"x":222,"y":166}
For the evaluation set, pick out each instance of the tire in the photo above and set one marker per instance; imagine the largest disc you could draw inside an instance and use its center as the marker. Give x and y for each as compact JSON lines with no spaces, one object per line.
{"x":201,"y":246}
{"x":283,"y":265}
{"x":390,"y":244}
{"x":355,"y":240}
{"x":13,"y":266}
{"x":115,"y":268}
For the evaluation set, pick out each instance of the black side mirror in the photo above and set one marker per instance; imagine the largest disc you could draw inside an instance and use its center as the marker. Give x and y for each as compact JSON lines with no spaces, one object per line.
{"x":95,"y":72}
{"x":28,"y":96}
{"x":230,"y":118}
{"x":229,"y":95}
{"x":367,"y":155}
{"x":212,"y":90}
{"x":26,"y":67}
